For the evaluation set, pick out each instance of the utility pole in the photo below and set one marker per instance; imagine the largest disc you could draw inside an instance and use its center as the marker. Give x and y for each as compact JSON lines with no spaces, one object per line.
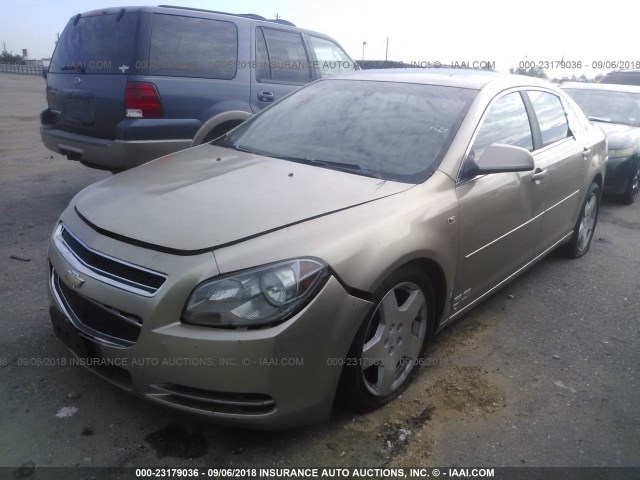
{"x":386,"y":52}
{"x":363,"y":44}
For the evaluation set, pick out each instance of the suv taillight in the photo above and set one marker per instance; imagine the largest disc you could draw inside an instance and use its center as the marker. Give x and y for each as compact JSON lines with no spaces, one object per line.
{"x":141,"y":100}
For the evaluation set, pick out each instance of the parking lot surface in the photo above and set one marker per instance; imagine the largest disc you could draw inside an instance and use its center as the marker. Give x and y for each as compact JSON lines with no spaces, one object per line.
{"x":544,"y":373}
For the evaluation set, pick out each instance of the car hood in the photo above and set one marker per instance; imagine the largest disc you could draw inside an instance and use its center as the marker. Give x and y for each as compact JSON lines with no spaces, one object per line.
{"x":620,"y":136}
{"x":210,"y":196}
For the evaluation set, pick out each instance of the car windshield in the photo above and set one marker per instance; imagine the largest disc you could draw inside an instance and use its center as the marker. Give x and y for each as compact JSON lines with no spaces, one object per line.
{"x":608,"y":106}
{"x":389,"y":130}
{"x":102,"y":43}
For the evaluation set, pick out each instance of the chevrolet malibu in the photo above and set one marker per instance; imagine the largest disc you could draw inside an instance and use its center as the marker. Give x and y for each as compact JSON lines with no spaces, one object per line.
{"x":311,"y":253}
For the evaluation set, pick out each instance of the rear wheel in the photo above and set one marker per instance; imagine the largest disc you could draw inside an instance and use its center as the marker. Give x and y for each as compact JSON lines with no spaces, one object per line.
{"x":631,"y":194}
{"x":583,"y":231}
{"x":385,"y":354}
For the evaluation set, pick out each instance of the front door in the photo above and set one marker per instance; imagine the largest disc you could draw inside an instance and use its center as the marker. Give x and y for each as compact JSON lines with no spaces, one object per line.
{"x":500,"y":214}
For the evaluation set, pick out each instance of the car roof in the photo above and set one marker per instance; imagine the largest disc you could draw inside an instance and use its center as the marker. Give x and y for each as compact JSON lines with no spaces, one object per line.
{"x":452,"y":77}
{"x":609,"y":87}
{"x":189,"y":12}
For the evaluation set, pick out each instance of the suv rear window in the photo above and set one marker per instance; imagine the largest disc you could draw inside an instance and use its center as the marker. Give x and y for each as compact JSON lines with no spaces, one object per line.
{"x":100,"y":43}
{"x":193,"y":47}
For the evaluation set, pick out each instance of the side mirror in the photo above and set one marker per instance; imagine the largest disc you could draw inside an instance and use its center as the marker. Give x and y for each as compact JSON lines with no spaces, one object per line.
{"x":500,"y":158}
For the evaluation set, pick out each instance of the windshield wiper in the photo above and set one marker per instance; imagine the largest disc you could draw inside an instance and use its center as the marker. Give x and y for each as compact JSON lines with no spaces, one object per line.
{"x":601,"y":119}
{"x":343,"y":167}
{"x":223,"y":141}
{"x":347,"y":167}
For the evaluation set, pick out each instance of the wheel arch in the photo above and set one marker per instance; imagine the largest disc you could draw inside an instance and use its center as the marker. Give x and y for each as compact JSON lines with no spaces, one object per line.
{"x":437,"y":277}
{"x":599,"y":181}
{"x":438,"y":282}
{"x":221,"y":122}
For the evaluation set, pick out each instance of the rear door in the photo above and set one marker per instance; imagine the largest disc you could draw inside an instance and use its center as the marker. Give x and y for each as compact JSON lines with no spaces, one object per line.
{"x":562,"y":159}
{"x":281,"y":65}
{"x":89,"y":69}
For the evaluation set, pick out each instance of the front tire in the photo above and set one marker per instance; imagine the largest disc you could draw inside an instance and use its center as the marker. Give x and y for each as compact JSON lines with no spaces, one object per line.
{"x":385,"y":353}
{"x":586,"y":224}
{"x":631,"y":194}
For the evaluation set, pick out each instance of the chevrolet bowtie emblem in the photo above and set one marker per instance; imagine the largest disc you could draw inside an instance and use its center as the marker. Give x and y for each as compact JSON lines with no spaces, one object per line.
{"x":73,"y":279}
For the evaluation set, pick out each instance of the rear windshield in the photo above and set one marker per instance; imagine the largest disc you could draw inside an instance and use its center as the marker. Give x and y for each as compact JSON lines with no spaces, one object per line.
{"x":394,"y":131}
{"x":103,"y":43}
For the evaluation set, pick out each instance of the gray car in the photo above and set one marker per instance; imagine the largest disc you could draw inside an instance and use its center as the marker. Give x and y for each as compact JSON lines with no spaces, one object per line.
{"x":127,"y":85}
{"x":312,"y":252}
{"x":615,"y":109}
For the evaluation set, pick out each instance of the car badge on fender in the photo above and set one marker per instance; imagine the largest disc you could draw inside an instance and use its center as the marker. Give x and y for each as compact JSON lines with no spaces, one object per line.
{"x":77,"y":81}
{"x":74,"y":279}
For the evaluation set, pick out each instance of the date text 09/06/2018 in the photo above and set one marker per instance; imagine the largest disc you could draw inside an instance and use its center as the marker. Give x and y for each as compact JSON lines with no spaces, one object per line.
{"x":573,"y":64}
{"x":391,"y":473}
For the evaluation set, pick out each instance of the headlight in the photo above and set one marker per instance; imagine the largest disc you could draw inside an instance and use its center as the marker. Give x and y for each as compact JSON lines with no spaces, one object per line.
{"x":257,"y":296}
{"x":626,"y":152}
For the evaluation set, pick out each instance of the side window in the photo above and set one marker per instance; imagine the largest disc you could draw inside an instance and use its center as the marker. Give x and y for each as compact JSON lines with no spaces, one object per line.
{"x":281,"y":57}
{"x":507,"y":122}
{"x":193,"y":47}
{"x":263,"y":69}
{"x":551,"y":116}
{"x":331,"y":59}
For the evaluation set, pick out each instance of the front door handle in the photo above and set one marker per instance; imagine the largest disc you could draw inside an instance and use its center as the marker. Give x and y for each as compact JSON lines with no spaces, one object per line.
{"x":586,"y":152}
{"x":265,"y":96}
{"x":538,"y":176}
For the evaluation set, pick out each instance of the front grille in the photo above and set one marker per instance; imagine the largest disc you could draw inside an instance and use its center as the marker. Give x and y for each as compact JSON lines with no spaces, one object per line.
{"x":101,"y":321}
{"x":119,"y":272}
{"x":213,"y":402}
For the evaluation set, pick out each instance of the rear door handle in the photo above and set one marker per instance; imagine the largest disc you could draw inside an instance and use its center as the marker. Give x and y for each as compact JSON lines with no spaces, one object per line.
{"x":586,"y":152}
{"x":265,"y":96}
{"x":538,"y":176}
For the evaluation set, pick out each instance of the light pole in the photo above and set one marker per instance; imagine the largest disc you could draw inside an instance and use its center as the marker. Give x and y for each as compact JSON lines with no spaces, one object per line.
{"x":363,"y":44}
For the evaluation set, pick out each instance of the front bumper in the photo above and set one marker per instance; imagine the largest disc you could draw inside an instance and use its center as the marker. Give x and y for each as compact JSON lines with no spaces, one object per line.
{"x":619,"y":174}
{"x":276,"y":377}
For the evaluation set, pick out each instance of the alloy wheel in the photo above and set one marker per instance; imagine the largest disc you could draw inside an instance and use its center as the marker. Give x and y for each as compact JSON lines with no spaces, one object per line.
{"x":394,"y":339}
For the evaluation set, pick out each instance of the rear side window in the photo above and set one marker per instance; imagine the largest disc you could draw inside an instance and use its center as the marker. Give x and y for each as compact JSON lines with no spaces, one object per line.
{"x":104,"y":43}
{"x":331,"y":59}
{"x":281,"y":57}
{"x":193,"y":47}
{"x":551,"y":116}
{"x":507,"y":122}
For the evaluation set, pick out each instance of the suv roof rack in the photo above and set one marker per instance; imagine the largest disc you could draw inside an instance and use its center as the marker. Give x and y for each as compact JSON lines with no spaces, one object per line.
{"x":252,"y":16}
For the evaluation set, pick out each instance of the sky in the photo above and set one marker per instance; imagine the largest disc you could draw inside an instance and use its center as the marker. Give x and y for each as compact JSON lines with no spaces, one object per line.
{"x":420,"y":31}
